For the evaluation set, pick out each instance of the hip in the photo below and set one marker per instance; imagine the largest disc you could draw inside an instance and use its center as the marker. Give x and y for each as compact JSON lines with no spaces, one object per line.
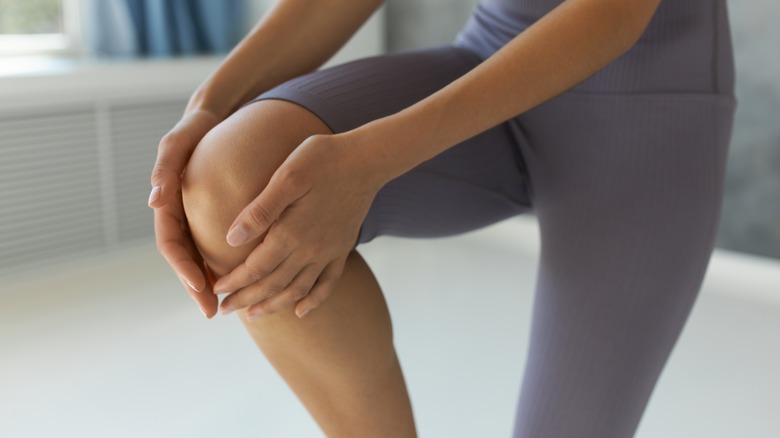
{"x":685,"y":48}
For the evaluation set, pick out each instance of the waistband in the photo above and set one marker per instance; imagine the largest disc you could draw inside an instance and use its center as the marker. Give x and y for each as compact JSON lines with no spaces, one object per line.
{"x":685,"y":48}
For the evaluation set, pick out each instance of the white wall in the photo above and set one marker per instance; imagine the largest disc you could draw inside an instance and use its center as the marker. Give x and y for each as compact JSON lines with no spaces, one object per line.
{"x":369,"y":39}
{"x":34,"y":80}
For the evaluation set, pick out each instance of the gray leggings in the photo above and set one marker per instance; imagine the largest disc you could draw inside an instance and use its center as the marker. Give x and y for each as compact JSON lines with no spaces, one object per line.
{"x":624,"y":173}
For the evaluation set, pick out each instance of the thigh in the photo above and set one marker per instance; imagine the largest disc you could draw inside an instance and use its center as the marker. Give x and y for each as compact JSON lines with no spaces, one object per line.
{"x":475,"y":183}
{"x":627,"y":190}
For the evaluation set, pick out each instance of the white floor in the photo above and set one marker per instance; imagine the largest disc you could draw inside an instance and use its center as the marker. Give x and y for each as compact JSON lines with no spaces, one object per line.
{"x":109,"y":346}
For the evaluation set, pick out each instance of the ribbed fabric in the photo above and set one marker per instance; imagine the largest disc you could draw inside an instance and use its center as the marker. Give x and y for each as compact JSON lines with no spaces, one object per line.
{"x":627,"y":191}
{"x":356,"y":92}
{"x":625,"y":173}
{"x":677,"y":52}
{"x":476,"y":183}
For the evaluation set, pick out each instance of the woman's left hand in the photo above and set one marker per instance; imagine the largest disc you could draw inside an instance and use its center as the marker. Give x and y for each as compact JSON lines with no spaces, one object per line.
{"x":312,"y":209}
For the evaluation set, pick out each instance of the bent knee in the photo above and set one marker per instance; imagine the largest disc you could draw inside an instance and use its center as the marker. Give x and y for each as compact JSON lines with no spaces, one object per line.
{"x":232,"y":164}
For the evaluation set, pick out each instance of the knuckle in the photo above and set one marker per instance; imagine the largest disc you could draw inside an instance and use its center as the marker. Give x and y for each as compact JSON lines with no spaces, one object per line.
{"x":323,"y":291}
{"x":259,"y":215}
{"x":257,"y":272}
{"x":292,"y":179}
{"x":287,"y":176}
{"x":298,"y":292}
{"x":157,"y":173}
{"x":272,"y":290}
{"x":285,"y":239}
{"x":311,"y":252}
{"x":170,"y":138}
{"x":162,"y":247}
{"x":254,"y":259}
{"x":313,"y":301}
{"x":236,"y":301}
{"x":264,"y":308}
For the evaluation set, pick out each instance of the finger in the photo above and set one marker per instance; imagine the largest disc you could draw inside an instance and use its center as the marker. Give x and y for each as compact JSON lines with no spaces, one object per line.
{"x":207,"y":303}
{"x":205,"y":299}
{"x":270,"y":286}
{"x":260,"y":263}
{"x":211,"y":279}
{"x":297,"y":290}
{"x":173,"y":153}
{"x":321,"y":290}
{"x":170,"y":237}
{"x":164,"y":183}
{"x":257,"y":217}
{"x":172,"y":157}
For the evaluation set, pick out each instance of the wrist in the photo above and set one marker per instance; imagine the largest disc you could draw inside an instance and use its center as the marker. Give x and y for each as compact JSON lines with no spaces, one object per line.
{"x":225,"y":90}
{"x":371,"y":154}
{"x":395,"y":144}
{"x":205,"y":100}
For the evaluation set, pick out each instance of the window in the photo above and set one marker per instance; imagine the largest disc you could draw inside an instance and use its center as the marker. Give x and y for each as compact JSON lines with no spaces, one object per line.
{"x":29,"y":27}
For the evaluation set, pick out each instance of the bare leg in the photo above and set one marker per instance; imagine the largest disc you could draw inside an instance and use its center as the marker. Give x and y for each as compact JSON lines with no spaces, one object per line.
{"x":340,"y":359}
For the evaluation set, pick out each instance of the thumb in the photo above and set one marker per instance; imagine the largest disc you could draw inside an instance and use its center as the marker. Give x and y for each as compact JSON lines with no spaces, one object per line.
{"x":257,"y":217}
{"x":165,"y":183}
{"x":172,"y":156}
{"x":173,"y":153}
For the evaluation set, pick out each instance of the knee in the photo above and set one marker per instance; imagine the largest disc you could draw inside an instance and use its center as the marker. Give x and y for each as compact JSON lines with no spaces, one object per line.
{"x":231,"y":165}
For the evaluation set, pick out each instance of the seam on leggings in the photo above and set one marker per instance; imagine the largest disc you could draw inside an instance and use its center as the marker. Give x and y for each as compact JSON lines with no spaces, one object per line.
{"x":670,"y":96}
{"x":515,"y":132}
{"x":523,"y":204}
{"x":716,"y":48}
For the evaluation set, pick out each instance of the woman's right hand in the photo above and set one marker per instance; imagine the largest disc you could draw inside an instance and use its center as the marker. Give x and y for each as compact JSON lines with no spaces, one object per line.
{"x":172,"y":234}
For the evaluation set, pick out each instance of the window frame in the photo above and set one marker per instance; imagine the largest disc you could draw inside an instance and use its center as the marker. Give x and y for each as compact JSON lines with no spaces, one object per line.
{"x":67,"y":43}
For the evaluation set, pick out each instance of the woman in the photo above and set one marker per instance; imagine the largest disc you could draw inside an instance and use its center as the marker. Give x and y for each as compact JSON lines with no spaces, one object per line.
{"x":609,"y":119}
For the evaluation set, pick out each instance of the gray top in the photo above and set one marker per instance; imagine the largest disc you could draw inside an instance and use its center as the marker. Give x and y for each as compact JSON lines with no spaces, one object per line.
{"x":674,"y":54}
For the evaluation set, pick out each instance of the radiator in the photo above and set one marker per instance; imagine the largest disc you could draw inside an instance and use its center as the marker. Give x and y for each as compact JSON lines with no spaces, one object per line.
{"x":77,"y":145}
{"x":75,"y":175}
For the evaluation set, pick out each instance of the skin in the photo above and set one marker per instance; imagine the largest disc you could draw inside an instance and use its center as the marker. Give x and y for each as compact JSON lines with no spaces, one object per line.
{"x":340,"y":361}
{"x":335,"y":177}
{"x":269,"y":168}
{"x":264,"y":52}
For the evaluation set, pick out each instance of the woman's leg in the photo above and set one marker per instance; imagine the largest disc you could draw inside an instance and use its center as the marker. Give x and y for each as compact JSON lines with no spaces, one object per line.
{"x":628,"y":190}
{"x":340,"y":359}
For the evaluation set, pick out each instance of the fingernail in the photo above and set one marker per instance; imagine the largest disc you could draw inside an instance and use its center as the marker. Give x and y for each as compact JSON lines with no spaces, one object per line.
{"x":192,"y":285}
{"x":154,"y":195}
{"x":204,"y":313}
{"x":303,"y":313}
{"x":225,"y":310}
{"x":253,"y":316}
{"x":236,"y":236}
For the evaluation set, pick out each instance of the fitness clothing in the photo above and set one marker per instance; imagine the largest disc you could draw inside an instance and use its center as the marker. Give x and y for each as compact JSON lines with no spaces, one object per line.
{"x":624,"y":172}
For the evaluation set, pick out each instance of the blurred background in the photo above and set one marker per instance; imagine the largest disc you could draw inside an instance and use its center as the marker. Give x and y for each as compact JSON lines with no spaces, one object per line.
{"x":98,"y":339}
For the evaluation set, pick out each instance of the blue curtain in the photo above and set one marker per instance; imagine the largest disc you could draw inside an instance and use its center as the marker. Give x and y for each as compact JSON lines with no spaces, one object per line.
{"x":163,"y":28}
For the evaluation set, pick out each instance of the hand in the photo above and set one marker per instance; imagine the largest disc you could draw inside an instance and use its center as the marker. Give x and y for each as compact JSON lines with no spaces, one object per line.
{"x":312,"y":209}
{"x":174,"y":241}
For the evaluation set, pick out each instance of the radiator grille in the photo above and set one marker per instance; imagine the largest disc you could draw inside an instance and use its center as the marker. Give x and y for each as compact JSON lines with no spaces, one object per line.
{"x":75,"y":178}
{"x":136,"y":130}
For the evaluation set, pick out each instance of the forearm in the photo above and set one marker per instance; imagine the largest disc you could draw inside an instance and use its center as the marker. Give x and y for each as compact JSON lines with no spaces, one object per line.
{"x":560,"y":50}
{"x":293,"y":38}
